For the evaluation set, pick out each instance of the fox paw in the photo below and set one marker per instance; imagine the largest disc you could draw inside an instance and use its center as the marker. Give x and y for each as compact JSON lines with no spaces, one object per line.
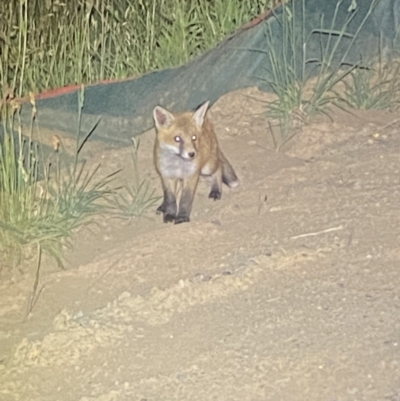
{"x":182,"y":219}
{"x":215,"y":194}
{"x":160,"y":209}
{"x":169,"y":218}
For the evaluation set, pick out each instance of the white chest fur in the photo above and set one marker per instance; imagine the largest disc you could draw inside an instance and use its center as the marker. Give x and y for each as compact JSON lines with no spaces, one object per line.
{"x":174,"y":166}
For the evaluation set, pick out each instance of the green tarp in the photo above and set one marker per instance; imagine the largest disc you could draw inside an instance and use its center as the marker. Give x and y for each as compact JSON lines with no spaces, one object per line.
{"x":124,"y":108}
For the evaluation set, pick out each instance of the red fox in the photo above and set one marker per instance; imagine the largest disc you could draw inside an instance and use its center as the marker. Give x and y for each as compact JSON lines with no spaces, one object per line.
{"x":186,"y":148}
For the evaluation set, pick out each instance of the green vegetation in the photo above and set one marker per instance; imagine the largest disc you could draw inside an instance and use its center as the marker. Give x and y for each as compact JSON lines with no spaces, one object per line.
{"x":51,"y":43}
{"x":43,"y":199}
{"x":35,"y":211}
{"x":136,"y":197}
{"x":290,"y":71}
{"x":373,"y":87}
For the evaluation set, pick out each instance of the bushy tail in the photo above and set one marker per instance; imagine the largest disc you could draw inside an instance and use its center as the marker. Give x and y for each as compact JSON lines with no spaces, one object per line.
{"x":229,"y":176}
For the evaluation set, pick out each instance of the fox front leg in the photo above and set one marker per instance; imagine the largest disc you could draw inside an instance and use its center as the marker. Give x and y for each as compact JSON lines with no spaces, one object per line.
{"x":185,"y":204}
{"x":168,"y":207}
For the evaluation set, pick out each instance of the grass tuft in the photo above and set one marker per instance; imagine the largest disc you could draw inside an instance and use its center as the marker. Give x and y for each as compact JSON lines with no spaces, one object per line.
{"x":290,"y":68}
{"x":38,"y":211}
{"x":136,"y":197}
{"x":374,"y":87}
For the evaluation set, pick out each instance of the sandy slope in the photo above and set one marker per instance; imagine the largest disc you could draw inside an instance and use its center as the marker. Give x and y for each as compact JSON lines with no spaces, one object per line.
{"x":286,"y":289}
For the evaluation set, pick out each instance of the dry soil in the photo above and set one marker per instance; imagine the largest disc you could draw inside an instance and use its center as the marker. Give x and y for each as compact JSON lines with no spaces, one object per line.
{"x":288,"y":288}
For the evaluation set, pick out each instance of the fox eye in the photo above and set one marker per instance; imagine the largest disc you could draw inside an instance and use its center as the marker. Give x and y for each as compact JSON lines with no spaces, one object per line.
{"x":178,"y":139}
{"x":194,"y":137}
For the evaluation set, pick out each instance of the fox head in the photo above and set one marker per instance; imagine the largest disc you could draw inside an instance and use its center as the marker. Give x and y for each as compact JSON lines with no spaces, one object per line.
{"x":180,"y":133}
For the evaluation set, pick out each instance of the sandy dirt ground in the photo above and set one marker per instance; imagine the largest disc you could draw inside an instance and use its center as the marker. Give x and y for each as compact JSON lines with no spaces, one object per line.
{"x":288,"y":288}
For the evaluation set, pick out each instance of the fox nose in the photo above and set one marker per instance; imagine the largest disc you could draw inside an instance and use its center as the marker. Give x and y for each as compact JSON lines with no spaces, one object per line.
{"x":191,"y":154}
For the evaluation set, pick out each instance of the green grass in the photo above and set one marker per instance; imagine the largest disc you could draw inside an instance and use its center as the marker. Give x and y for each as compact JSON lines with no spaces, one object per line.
{"x":41,"y":200}
{"x":373,"y":87}
{"x":289,"y":74}
{"x":47,"y":44}
{"x":287,"y":79}
{"x":134,"y":198}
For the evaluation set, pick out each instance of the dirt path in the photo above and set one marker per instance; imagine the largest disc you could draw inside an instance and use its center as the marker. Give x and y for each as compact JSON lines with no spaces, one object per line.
{"x":286,"y":289}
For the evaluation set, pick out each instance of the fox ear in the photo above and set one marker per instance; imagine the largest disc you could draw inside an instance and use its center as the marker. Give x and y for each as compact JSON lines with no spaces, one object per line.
{"x":200,"y":113}
{"x":162,"y":117}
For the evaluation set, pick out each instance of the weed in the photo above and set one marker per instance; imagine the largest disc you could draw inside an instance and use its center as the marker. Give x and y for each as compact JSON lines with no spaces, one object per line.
{"x":41,"y":213}
{"x":291,"y":68}
{"x":287,"y":75}
{"x":372,"y":87}
{"x":135,"y":198}
{"x":47,"y":44}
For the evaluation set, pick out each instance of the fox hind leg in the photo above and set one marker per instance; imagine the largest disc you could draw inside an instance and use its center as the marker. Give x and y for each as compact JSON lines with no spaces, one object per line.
{"x":229,"y":176}
{"x":216,"y":185}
